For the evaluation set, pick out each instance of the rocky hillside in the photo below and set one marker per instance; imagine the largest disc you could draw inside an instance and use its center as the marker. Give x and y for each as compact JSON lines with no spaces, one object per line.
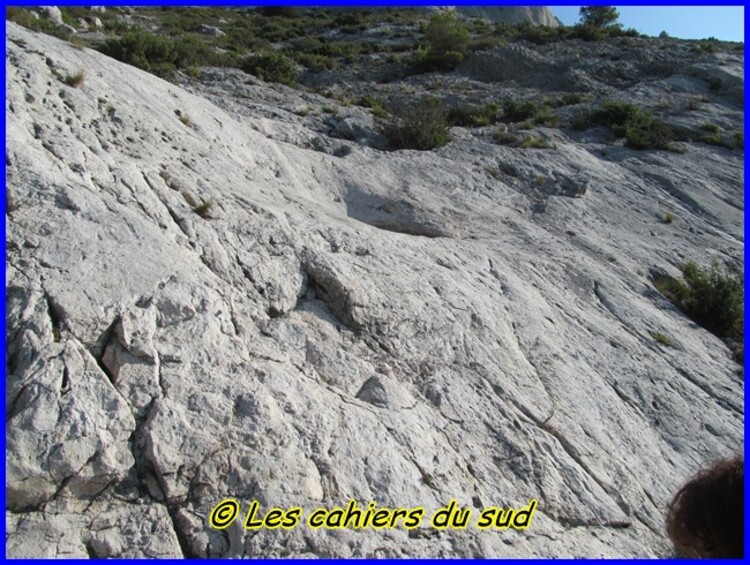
{"x":222,"y":287}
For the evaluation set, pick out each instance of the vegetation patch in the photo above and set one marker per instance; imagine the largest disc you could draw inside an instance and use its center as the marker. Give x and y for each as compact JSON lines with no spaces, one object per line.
{"x":709,"y":127}
{"x":531,"y":111}
{"x":369,"y":101}
{"x":663,"y":339}
{"x":24,"y":17}
{"x":474,"y":115}
{"x":639,"y":127}
{"x":715,"y":84}
{"x":716,"y":139}
{"x":504,"y":137}
{"x":271,"y":66}
{"x":568,"y":99}
{"x":75,"y":79}
{"x":204,"y":209}
{"x":162,"y":55}
{"x":420,"y":124}
{"x":534,"y":143}
{"x":712,"y":297}
{"x":447,"y":40}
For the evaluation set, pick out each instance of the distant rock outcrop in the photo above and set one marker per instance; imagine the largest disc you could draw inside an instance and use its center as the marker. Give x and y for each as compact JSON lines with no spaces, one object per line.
{"x":512,"y":15}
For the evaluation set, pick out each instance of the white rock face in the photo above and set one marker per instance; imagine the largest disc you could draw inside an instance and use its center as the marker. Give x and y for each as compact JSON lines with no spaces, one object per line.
{"x":537,"y":15}
{"x":210,"y":30}
{"x":53,"y":13}
{"x":397,"y":327}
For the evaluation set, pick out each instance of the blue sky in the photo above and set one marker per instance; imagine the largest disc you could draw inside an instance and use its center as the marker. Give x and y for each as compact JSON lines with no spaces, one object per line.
{"x":688,"y":22}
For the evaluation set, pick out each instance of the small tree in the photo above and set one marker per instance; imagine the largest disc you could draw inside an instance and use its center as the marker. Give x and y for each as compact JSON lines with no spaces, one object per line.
{"x":447,"y":41}
{"x":599,"y":16}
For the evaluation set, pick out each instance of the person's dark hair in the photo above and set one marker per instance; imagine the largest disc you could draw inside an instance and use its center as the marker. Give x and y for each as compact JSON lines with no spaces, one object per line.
{"x":705,"y":518}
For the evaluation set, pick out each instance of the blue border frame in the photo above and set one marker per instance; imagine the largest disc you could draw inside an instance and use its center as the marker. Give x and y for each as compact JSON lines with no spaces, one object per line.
{"x":384,"y":3}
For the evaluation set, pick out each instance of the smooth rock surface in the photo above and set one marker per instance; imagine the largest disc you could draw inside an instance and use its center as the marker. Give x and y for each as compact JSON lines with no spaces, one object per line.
{"x":397,"y":327}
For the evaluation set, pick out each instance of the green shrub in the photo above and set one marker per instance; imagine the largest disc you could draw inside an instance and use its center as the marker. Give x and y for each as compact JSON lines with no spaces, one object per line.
{"x":369,"y":101}
{"x":162,"y":55}
{"x":280,"y":12}
{"x":473,"y":115}
{"x":710,"y":45}
{"x":616,"y":114}
{"x":545,"y":117}
{"x":588,"y":33}
{"x":664,"y":339}
{"x":714,"y":298}
{"x":630,"y":32}
{"x":75,"y":80}
{"x":581,"y":121}
{"x":504,"y":137}
{"x":147,"y":51}
{"x":715,"y":139}
{"x":485,"y":43}
{"x":517,"y":112}
{"x":316,"y":63}
{"x":447,"y":42}
{"x":537,"y":34}
{"x":649,"y":134}
{"x":637,"y":126}
{"x":351,"y":19}
{"x":568,"y":99}
{"x":426,"y":60}
{"x":204,"y":209}
{"x":709,"y":127}
{"x":530,"y":111}
{"x":534,"y":143}
{"x":420,"y":124}
{"x":271,"y":66}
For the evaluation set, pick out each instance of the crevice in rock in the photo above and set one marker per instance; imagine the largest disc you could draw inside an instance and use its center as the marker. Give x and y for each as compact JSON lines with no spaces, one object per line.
{"x":420,"y":230}
{"x":182,"y":539}
{"x":160,"y":375}
{"x":329,"y":290}
{"x":724,"y":403}
{"x":569,"y":522}
{"x":142,"y":467}
{"x":56,"y":317}
{"x":331,"y":489}
{"x":90,"y":551}
{"x":65,"y":384}
{"x":178,"y":222}
{"x":13,"y":410}
{"x":274,"y":312}
{"x":572,"y":452}
{"x":98,"y":349}
{"x":233,"y":318}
